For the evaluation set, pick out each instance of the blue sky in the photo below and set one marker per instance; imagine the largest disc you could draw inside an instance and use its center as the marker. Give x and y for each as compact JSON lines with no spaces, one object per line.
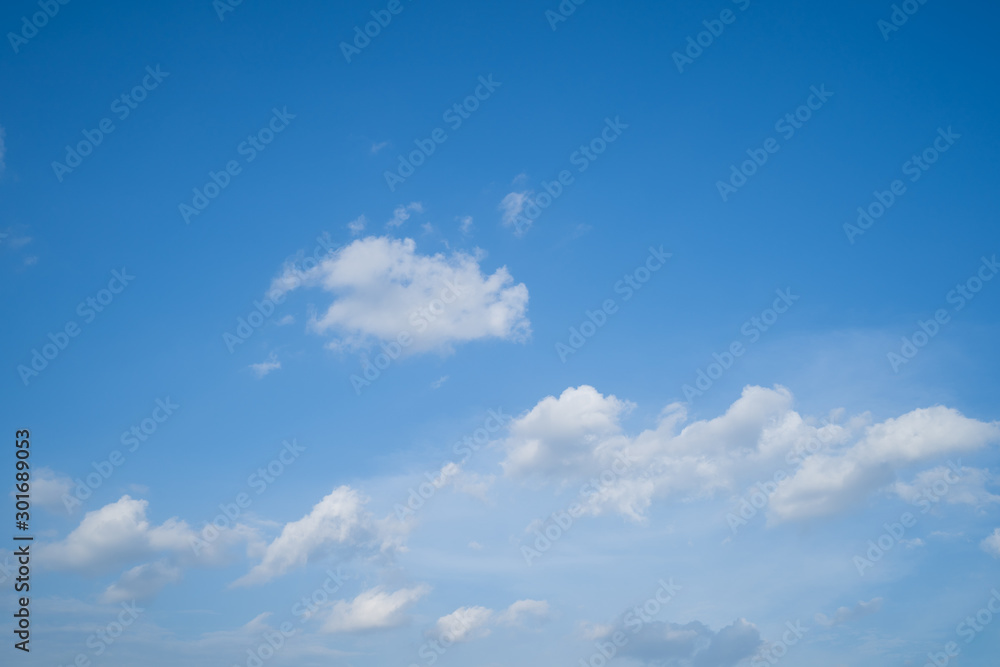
{"x":532,"y":343}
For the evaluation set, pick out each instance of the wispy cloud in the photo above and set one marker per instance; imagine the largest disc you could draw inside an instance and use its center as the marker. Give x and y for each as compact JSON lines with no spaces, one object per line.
{"x":265,"y":367}
{"x":513,"y":205}
{"x":357,"y":225}
{"x":402,"y":213}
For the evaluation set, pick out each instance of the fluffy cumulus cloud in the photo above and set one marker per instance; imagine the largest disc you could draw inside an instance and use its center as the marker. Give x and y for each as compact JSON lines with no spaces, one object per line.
{"x":828,"y":465}
{"x":832,"y":481}
{"x":690,"y":645}
{"x":467,"y":623}
{"x":374,"y":609}
{"x":120,"y":533}
{"x":384,"y":291}
{"x":566,"y":436}
{"x":337,"y":523}
{"x":847,"y":614}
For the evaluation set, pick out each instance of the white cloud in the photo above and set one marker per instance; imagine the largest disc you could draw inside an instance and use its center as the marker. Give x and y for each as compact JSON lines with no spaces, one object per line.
{"x":524,"y":610}
{"x":265,"y":367}
{"x":377,"y":146}
{"x":402,"y":213}
{"x":467,"y":623}
{"x":440,"y":381}
{"x":579,"y":436}
{"x":14,"y":237}
{"x":465,"y":225}
{"x":120,"y":532}
{"x":991,"y":544}
{"x":142,"y":582}
{"x":374,"y":609}
{"x":383,"y":288}
{"x":513,"y":205}
{"x":338,"y":521}
{"x":357,"y":225}
{"x":566,"y":435}
{"x":828,"y":483}
{"x":952,"y":484}
{"x":464,"y":624}
{"x":848,"y":614}
{"x":286,"y":320}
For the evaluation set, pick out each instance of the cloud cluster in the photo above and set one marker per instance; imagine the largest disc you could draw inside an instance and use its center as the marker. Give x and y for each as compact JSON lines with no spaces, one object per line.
{"x":830,"y":467}
{"x":120,"y":533}
{"x":383,"y":288}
